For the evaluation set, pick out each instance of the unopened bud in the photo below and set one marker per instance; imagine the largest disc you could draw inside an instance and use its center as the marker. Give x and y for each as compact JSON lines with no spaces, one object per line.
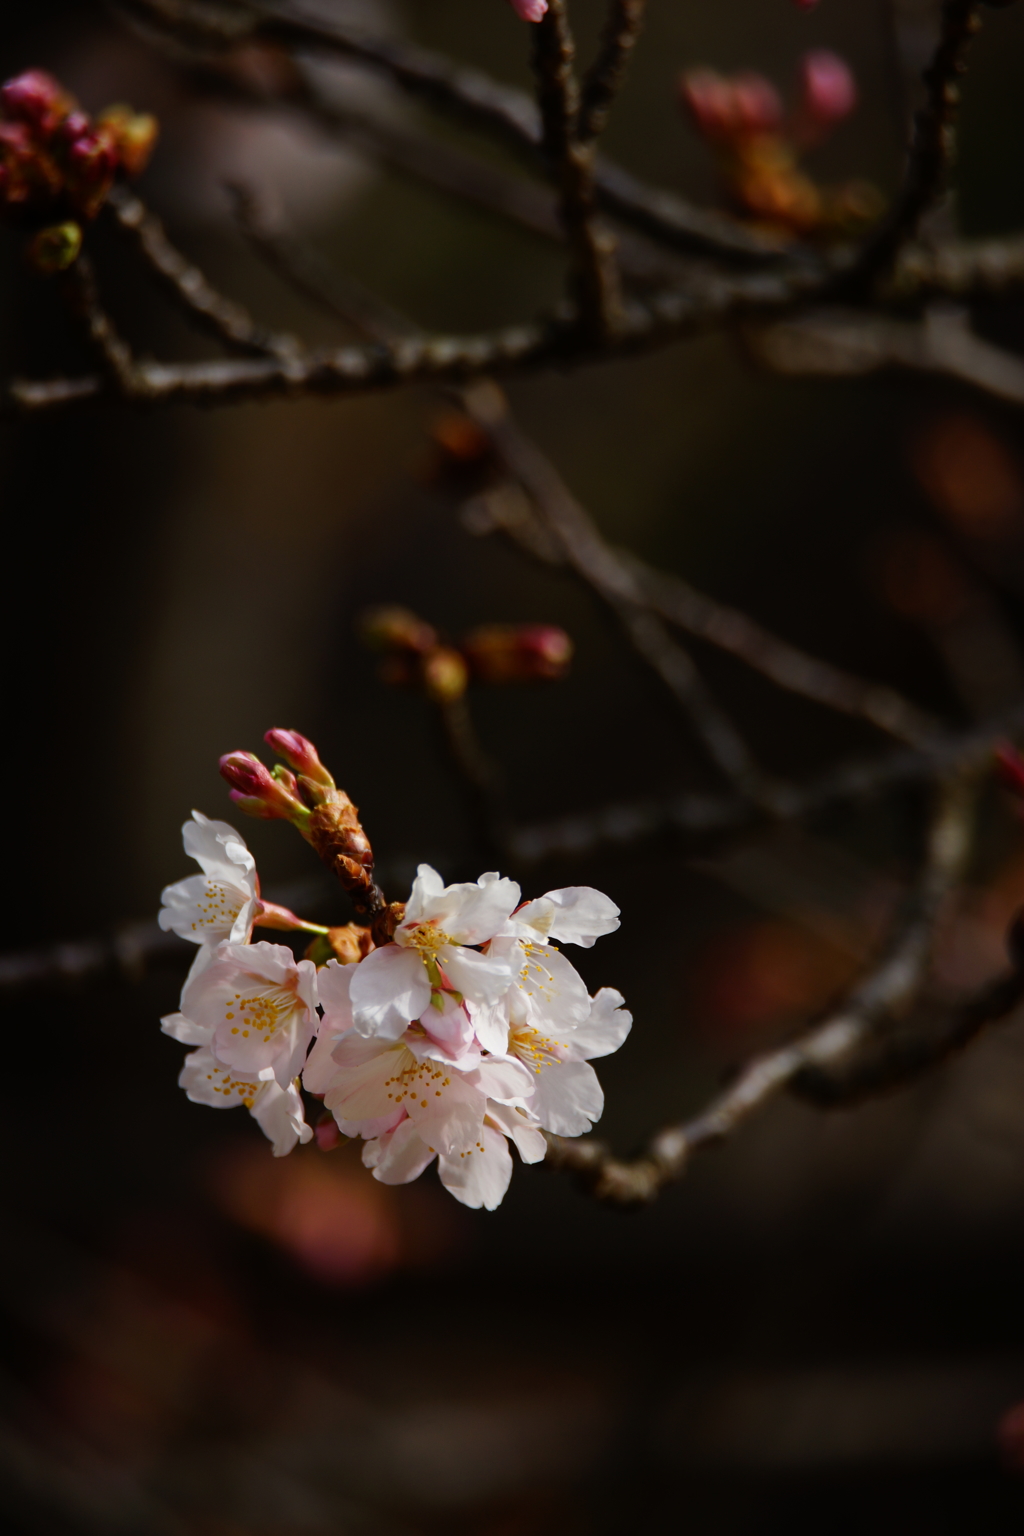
{"x":530,"y":10}
{"x":255,"y":790}
{"x":271,"y":915}
{"x":445,"y":675}
{"x":516,"y":653}
{"x":805,"y":5}
{"x":757,"y":104}
{"x":300,"y":753}
{"x":56,"y":248}
{"x":37,"y":99}
{"x":460,"y":437}
{"x":828,"y":89}
{"x":350,"y":943}
{"x":725,"y":109}
{"x":90,"y":162}
{"x":134,"y":136}
{"x":396,"y":629}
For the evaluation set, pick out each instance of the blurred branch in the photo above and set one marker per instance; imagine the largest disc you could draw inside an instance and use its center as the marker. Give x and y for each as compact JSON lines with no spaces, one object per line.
{"x":596,"y":273}
{"x":637,"y":592}
{"x":604,"y":78}
{"x":113,"y":352}
{"x":222,"y":317}
{"x":873,"y":1006}
{"x":839,"y":343}
{"x":932,"y":143}
{"x":703,"y":817}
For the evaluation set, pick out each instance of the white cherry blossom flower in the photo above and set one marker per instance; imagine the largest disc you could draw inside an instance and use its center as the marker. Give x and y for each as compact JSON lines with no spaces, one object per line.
{"x":546,"y":993}
{"x":567,"y":1097}
{"x":222,"y":903}
{"x":433,"y":954}
{"x":477,"y":1175}
{"x":276,"y":1109}
{"x":255,"y":1006}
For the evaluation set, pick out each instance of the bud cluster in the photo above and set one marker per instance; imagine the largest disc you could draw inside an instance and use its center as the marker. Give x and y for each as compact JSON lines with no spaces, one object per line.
{"x":58,"y":164}
{"x":759,"y":145}
{"x":416,"y":657}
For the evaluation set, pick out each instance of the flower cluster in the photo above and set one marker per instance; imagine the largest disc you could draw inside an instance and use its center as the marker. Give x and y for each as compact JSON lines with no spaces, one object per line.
{"x":56,"y":160}
{"x":759,"y":145}
{"x":448,"y":1031}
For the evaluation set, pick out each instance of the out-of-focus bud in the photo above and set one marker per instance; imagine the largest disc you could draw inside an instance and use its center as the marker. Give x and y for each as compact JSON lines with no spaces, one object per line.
{"x":396,"y":629}
{"x":301,"y":754}
{"x":22,"y":162}
{"x":517,"y":653}
{"x":806,"y":5}
{"x":90,"y":163}
{"x":55,"y":248}
{"x":828,"y":89}
{"x":37,"y":99}
{"x":134,"y":136}
{"x":530,"y":10}
{"x":255,"y":790}
{"x":326,"y":1132}
{"x":726,"y":109}
{"x":445,"y":675}
{"x":1010,"y":1438}
{"x":1010,"y":768}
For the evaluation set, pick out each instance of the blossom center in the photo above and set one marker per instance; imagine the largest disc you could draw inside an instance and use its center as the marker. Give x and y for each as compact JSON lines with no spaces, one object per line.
{"x":229,"y":1086}
{"x":418,"y":1082}
{"x":261,"y":1013}
{"x":218,"y":907}
{"x":534,"y":1050}
{"x":428,"y":939}
{"x":534,"y":976}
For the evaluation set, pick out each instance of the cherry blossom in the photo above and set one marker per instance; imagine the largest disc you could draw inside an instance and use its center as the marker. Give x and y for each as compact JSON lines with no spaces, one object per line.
{"x":255,"y":1006}
{"x":223,"y":902}
{"x":567,"y":1096}
{"x":276,"y":1109}
{"x":433,"y":954}
{"x":546,"y":993}
{"x":477,"y":1175}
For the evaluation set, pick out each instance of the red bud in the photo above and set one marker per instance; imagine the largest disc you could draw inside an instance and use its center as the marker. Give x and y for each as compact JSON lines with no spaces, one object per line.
{"x":37,"y":99}
{"x":828,"y":88}
{"x":1010,"y":768}
{"x":515,"y":653}
{"x":300,"y":753}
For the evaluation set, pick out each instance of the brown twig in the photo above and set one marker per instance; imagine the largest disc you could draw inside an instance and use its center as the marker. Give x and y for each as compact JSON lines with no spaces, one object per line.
{"x":115,"y":355}
{"x":222,"y":317}
{"x":604,"y":78}
{"x":872,"y":1006}
{"x":931,"y":147}
{"x":596,"y":279}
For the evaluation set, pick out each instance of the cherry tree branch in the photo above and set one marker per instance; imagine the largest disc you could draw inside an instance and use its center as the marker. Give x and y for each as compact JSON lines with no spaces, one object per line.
{"x":596,"y":274}
{"x":604,"y":78}
{"x":870,"y":1010}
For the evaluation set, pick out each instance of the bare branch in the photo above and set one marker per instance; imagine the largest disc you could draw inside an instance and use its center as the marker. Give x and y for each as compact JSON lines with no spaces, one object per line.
{"x":596,"y":273}
{"x":932,"y":143}
{"x":880,"y":998}
{"x":222,"y":317}
{"x":604,"y":78}
{"x":115,"y":356}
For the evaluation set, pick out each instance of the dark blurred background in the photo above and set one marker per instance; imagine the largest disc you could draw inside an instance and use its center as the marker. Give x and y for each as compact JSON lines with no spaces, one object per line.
{"x":821,"y":1327}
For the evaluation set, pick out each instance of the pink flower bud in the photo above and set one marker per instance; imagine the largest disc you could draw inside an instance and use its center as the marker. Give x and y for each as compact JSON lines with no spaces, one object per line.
{"x":396,"y":629}
{"x":726,"y":109}
{"x":300,"y":753}
{"x":805,"y":5}
{"x":257,"y":792}
{"x":529,"y":10}
{"x":757,"y":104}
{"x":35,"y":98}
{"x":91,"y":164}
{"x":517,"y":653}
{"x":327,"y":1134}
{"x":828,"y":88}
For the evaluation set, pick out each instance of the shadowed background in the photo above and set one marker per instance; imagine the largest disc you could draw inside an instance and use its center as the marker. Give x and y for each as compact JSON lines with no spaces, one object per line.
{"x":821,"y":1324}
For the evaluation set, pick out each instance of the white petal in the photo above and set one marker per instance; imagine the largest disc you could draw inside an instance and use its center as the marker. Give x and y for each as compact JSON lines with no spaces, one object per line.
{"x":363,"y":1096}
{"x":278,"y":1113}
{"x":333,"y":984}
{"x":582,"y":915}
{"x":399,"y":1157}
{"x":207,"y":1081}
{"x":550,"y":990}
{"x":490,"y":1024}
{"x":506,"y":1081}
{"x":481,"y":1176}
{"x":567,"y":1098}
{"x":207,"y":910}
{"x":179,"y":1028}
{"x":480,"y":978}
{"x":470,"y":913}
{"x":389,"y":989}
{"x":521,"y":1127}
{"x":218,"y":849}
{"x":606,"y":1028}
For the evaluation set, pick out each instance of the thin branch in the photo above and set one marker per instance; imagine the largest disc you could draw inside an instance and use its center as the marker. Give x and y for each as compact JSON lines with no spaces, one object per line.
{"x":872,"y":1006}
{"x":222,"y":317}
{"x":596,"y":273}
{"x":959,"y":269}
{"x":480,"y":777}
{"x":79,"y":288}
{"x":585,"y":553}
{"x":932,"y":143}
{"x":604,"y":78}
{"x":700,"y":819}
